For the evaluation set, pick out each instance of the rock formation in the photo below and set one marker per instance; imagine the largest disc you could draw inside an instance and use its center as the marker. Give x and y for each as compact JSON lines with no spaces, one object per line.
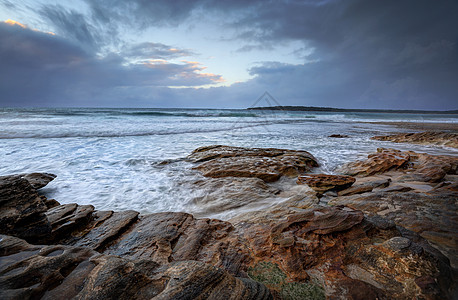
{"x":293,"y":249}
{"x":323,"y":183}
{"x":267,"y":164}
{"x":448,"y":139}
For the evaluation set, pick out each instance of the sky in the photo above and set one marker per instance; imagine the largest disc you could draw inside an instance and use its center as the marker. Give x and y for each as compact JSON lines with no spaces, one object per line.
{"x":390,"y":54}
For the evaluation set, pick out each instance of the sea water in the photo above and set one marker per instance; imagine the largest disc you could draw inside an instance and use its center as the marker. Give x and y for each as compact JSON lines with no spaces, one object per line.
{"x":112,"y":158}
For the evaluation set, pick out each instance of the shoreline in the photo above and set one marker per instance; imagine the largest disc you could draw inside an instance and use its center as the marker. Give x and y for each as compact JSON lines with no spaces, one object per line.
{"x":423,"y":126}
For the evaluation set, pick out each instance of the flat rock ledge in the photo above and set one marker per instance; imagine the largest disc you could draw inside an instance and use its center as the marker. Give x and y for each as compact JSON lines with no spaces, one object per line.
{"x":448,"y":139}
{"x":268,"y":164}
{"x":73,"y":251}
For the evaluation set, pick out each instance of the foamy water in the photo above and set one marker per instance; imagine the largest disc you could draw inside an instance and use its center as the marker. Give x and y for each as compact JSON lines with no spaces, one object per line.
{"x":110,"y":158}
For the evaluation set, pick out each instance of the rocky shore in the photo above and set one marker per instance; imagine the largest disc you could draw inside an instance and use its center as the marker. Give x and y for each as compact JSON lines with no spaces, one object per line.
{"x":384,"y":228}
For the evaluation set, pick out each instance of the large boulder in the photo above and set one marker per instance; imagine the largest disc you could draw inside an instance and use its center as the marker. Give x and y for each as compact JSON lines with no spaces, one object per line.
{"x":267,"y":164}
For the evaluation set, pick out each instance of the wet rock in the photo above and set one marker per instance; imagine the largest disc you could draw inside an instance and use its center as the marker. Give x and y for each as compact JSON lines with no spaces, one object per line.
{"x":39,"y":180}
{"x":323,"y":182}
{"x":338,"y":136}
{"x":65,"y":219}
{"x":65,"y":272}
{"x":364,"y":187}
{"x":105,"y":227}
{"x":22,"y":210}
{"x":167,"y":237}
{"x":218,"y":195}
{"x":267,"y":164}
{"x":425,"y":138}
{"x":381,"y":161}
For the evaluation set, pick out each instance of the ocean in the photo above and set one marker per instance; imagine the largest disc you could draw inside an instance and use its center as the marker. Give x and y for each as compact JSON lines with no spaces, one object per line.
{"x":111,"y":158}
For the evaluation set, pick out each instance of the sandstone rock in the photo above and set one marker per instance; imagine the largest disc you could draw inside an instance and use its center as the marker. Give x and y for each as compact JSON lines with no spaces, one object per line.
{"x":381,"y":161}
{"x":364,"y":187}
{"x":265,"y":163}
{"x":38,"y":180}
{"x":431,"y":168}
{"x":65,"y":219}
{"x":431,"y":215}
{"x":342,"y":249}
{"x":323,"y":182}
{"x":219,"y":195}
{"x":105,"y":228}
{"x":64,"y":272}
{"x":22,"y":210}
{"x":167,"y":237}
{"x":425,"y":138}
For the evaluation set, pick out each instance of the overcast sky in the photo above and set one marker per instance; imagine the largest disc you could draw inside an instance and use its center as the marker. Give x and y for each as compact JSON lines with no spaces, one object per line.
{"x":390,"y":54}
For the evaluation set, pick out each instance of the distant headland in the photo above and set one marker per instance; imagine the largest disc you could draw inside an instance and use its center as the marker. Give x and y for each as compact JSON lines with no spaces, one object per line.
{"x":331,"y":109}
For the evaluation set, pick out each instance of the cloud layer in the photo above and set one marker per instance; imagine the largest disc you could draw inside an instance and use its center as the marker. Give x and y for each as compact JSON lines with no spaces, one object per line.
{"x":356,"y":53}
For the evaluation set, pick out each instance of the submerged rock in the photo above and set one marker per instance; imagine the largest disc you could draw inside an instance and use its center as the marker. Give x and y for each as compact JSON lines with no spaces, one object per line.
{"x":338,"y":136}
{"x":267,"y":164}
{"x":425,"y":138}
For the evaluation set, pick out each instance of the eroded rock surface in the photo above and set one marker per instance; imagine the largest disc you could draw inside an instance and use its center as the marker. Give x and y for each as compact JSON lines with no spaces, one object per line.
{"x":421,"y":196}
{"x":267,"y":164}
{"x":381,"y":161}
{"x":425,"y":138}
{"x":66,"y":272}
{"x":323,"y":182}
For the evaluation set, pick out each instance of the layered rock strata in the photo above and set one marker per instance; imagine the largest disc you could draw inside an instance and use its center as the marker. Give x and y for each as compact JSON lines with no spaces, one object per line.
{"x":268,"y":164}
{"x":103,"y":254}
{"x":435,"y":138}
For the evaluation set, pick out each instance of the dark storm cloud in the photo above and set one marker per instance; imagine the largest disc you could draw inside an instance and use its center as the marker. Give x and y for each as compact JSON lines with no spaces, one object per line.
{"x":365,"y":53}
{"x":46,"y":70}
{"x":369,"y":53}
{"x":72,"y":24}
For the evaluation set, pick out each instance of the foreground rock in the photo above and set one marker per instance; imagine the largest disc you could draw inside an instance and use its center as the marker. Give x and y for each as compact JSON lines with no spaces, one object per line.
{"x":424,"y":138}
{"x":65,"y":272}
{"x":415,"y":190}
{"x":22,"y":210}
{"x":267,"y":164}
{"x":320,"y":251}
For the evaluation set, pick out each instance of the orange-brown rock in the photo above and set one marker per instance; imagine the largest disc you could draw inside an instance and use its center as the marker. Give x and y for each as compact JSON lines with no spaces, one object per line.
{"x":66,"y":272}
{"x":364,"y":187}
{"x":347,"y":252}
{"x":448,"y":139}
{"x":381,"y":161}
{"x":267,"y":164}
{"x":324,"y":182}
